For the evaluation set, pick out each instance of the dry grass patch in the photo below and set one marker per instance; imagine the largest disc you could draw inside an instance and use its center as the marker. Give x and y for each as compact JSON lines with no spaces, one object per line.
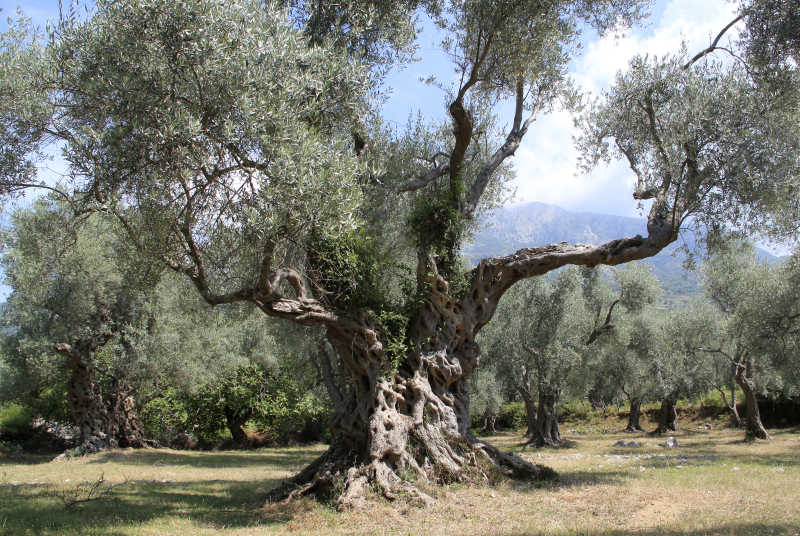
{"x":712,"y":484}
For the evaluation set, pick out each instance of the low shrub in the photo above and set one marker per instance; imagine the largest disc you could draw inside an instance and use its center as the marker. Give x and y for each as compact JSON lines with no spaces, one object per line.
{"x":10,"y":448}
{"x":16,"y":422}
{"x":165,"y":418}
{"x":512,"y":416}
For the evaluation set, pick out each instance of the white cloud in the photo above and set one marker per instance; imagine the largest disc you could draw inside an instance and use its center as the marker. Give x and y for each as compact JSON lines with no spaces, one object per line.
{"x":547,"y":161}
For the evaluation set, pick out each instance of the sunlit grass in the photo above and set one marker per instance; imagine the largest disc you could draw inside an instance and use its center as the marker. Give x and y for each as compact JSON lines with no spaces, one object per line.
{"x":714,"y":483}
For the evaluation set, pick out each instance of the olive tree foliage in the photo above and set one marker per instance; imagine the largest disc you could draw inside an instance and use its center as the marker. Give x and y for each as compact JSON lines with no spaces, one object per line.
{"x":771,"y":44}
{"x":676,"y":366}
{"x":624,"y":344}
{"x":759,"y":311}
{"x":85,"y":325}
{"x":783,"y":328}
{"x":486,"y":396}
{"x":239,"y":144}
{"x":537,"y":345}
{"x":709,"y":142}
{"x":72,"y":306}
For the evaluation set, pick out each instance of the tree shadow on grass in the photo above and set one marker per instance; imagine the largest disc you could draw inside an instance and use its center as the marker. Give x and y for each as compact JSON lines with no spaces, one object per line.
{"x":707,"y":449}
{"x":233,"y":459}
{"x":723,"y":530}
{"x":27,"y":459}
{"x":565,"y":444}
{"x":572,"y":479}
{"x":211,"y":503}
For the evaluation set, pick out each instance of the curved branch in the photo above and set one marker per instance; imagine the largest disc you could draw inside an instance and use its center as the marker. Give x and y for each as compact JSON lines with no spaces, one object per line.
{"x":607,"y":325}
{"x":462,"y":119}
{"x":509,"y":147}
{"x":493,"y":277}
{"x":713,"y":46}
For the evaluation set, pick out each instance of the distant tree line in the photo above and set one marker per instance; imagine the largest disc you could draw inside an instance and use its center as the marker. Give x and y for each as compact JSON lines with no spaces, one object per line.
{"x":606,"y":337}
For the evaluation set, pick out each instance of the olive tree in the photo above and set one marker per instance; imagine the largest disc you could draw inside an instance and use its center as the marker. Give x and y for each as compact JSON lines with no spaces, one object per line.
{"x":537,"y":344}
{"x":748,"y":295}
{"x":72,"y":306}
{"x":239,"y":144}
{"x":625,"y":340}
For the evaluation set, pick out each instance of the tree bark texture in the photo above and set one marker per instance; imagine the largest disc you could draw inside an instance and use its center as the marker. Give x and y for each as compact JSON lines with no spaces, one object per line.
{"x":746,"y":380}
{"x":634,"y":416}
{"x":547,"y":432}
{"x":668,"y":415}
{"x":104,"y":422}
{"x":395,"y":430}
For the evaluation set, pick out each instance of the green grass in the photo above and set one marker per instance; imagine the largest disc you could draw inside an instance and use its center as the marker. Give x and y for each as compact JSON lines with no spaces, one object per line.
{"x":714,"y":483}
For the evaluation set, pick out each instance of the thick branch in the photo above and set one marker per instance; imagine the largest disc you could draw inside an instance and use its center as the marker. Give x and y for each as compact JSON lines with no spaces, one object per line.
{"x":493,"y":277}
{"x":425,"y":180}
{"x":509,"y":147}
{"x":462,"y":119}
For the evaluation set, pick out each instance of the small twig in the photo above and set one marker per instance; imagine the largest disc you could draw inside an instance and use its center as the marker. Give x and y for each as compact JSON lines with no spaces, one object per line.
{"x":92,"y":491}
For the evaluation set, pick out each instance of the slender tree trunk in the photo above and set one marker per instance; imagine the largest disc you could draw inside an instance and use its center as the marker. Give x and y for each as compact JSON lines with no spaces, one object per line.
{"x":735,"y":417}
{"x":547,"y":432}
{"x":736,"y":420}
{"x":634,"y":415}
{"x":668,"y":416}
{"x":754,"y":429}
{"x":530,"y":412}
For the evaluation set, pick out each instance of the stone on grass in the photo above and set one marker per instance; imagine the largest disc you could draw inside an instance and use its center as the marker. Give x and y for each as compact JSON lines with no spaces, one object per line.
{"x":629,"y":444}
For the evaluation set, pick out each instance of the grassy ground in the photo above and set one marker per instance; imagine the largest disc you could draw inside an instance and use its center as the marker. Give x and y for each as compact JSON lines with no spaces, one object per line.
{"x":712,"y":484}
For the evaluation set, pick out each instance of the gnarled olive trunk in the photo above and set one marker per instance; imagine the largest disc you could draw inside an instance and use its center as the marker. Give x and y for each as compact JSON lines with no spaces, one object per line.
{"x":634,"y":416}
{"x":547,"y":432}
{"x":405,"y":418}
{"x":103,"y":422}
{"x":668,"y":415}
{"x":754,"y":428}
{"x":397,"y":428}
